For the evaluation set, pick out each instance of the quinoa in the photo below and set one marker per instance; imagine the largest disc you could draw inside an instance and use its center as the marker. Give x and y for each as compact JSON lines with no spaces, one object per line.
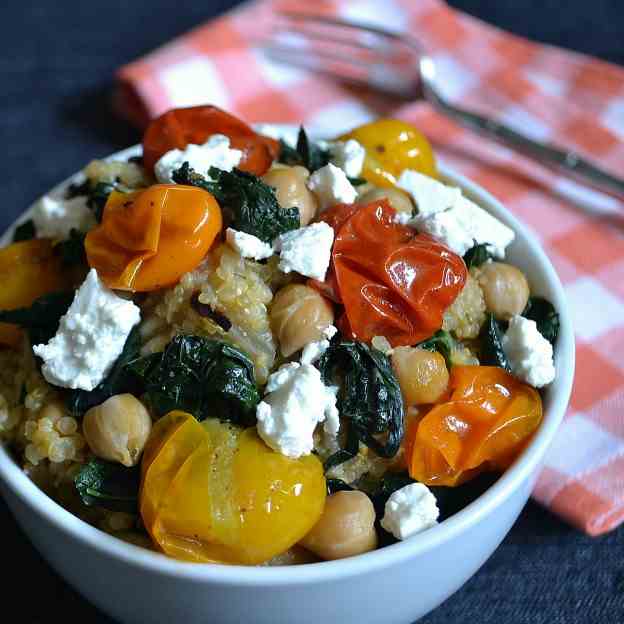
{"x":466,"y":314}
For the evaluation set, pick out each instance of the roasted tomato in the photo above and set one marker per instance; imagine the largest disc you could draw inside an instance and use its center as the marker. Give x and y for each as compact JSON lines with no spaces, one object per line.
{"x":391,"y":281}
{"x":148,"y":239}
{"x":213,"y":492}
{"x":177,"y":128}
{"x":392,"y":146}
{"x":484,"y":423}
{"x":28,"y":270}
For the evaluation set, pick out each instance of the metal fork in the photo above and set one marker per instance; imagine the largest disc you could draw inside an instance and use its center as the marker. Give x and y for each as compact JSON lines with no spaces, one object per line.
{"x":368,"y":56}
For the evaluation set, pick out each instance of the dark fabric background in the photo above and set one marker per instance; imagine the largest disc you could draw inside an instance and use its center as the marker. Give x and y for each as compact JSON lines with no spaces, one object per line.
{"x":56,"y":68}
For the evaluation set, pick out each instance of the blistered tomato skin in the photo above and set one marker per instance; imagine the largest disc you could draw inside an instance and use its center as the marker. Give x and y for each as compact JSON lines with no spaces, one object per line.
{"x":391,"y":281}
{"x":391,"y":147}
{"x":485,"y":423}
{"x":212,"y":492}
{"x":148,"y":239}
{"x":177,"y":128}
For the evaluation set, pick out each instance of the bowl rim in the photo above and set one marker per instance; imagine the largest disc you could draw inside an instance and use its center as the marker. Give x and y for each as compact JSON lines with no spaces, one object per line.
{"x":47,"y":510}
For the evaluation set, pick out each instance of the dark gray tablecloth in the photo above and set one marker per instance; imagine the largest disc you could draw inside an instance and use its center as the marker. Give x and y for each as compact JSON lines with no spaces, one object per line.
{"x":55,"y":77}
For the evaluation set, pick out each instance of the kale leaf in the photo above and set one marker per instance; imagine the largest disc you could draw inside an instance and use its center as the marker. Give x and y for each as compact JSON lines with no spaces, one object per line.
{"x":492,"y":352}
{"x":307,"y":153}
{"x":41,"y":319}
{"x":109,"y":485}
{"x":24,"y":231}
{"x":205,"y":377}
{"x":369,"y":397}
{"x":97,"y":195}
{"x":248,"y":204}
{"x":72,"y":250}
{"x":477,"y":255}
{"x":117,"y":381}
{"x":442,"y":342}
{"x":545,"y":316}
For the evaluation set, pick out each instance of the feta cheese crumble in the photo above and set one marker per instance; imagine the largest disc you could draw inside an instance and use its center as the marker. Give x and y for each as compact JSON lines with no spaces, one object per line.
{"x":90,"y":337}
{"x":331,"y":186}
{"x":306,"y":250}
{"x":313,"y":350}
{"x":410,"y":510}
{"x":55,"y":218}
{"x":296,"y":401}
{"x":530,"y":355}
{"x":215,"y":152}
{"x":449,"y":217}
{"x":248,"y":245}
{"x":348,"y":155}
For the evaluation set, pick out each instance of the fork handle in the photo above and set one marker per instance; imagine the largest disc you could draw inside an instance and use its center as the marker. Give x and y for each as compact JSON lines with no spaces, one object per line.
{"x":565,"y":161}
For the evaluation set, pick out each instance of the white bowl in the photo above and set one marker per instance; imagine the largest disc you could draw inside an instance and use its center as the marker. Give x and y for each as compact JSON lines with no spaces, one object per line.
{"x":394,"y":585}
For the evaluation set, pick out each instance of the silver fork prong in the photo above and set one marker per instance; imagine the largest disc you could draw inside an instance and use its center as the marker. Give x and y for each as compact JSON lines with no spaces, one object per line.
{"x":334,"y":21}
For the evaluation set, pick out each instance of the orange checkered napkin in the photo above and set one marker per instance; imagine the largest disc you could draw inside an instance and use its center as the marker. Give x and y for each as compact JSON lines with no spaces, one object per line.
{"x":546,"y":92}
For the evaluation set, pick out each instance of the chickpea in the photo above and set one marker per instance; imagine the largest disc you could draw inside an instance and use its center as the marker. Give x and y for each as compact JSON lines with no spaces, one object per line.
{"x":346,"y":528}
{"x":399,"y":200}
{"x":118,"y":429}
{"x":505,"y":289}
{"x":291,"y":190}
{"x":298,"y":315}
{"x":422,"y":374}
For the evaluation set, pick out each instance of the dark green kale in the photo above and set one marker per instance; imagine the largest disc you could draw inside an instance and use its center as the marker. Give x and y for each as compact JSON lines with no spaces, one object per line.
{"x":247,"y":203}
{"x":117,"y":381}
{"x":207,"y":378}
{"x":545,"y":316}
{"x":72,"y":250}
{"x":442,"y":342}
{"x":41,"y":319}
{"x":109,"y":485}
{"x":369,"y":398}
{"x":24,"y":231}
{"x":307,"y":153}
{"x":97,"y":194}
{"x":477,"y":255}
{"x":491,"y":339}
{"x":358,"y":181}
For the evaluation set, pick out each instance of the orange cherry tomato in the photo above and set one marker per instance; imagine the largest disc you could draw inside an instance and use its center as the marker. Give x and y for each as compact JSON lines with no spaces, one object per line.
{"x":28,"y":270}
{"x":177,"y":128}
{"x":148,"y":239}
{"x":487,"y":421}
{"x":391,"y":281}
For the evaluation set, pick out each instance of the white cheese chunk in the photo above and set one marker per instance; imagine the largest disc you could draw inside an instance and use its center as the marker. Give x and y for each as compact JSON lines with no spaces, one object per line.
{"x":90,"y":337}
{"x":429,"y":195}
{"x":306,"y":250}
{"x":215,"y":152}
{"x":410,"y":510}
{"x":331,"y":186}
{"x":446,"y":215}
{"x":296,"y":401}
{"x":55,"y":218}
{"x":348,"y":155}
{"x":248,"y":245}
{"x":313,"y":350}
{"x":530,"y":355}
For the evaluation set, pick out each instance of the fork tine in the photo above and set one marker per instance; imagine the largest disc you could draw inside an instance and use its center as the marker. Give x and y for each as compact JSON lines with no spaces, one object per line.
{"x":325,"y":37}
{"x":334,"y":21}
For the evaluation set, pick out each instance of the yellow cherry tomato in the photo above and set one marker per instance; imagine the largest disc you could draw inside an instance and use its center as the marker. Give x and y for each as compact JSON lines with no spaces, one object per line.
{"x":213,"y":492}
{"x":392,"y":146}
{"x":28,"y":270}
{"x":148,"y":239}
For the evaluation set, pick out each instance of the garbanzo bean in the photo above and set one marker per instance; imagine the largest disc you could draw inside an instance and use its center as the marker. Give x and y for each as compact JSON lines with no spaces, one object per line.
{"x":118,"y":429}
{"x":298,"y":315}
{"x":422,"y":374}
{"x":396,"y":198}
{"x":505,"y":289}
{"x":346,"y":528}
{"x":291,"y":190}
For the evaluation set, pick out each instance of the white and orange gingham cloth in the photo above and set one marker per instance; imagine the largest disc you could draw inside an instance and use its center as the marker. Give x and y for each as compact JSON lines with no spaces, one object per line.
{"x":546,"y":92}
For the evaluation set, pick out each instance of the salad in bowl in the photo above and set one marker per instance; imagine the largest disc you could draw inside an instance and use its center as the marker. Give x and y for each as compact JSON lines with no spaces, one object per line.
{"x":240,"y":346}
